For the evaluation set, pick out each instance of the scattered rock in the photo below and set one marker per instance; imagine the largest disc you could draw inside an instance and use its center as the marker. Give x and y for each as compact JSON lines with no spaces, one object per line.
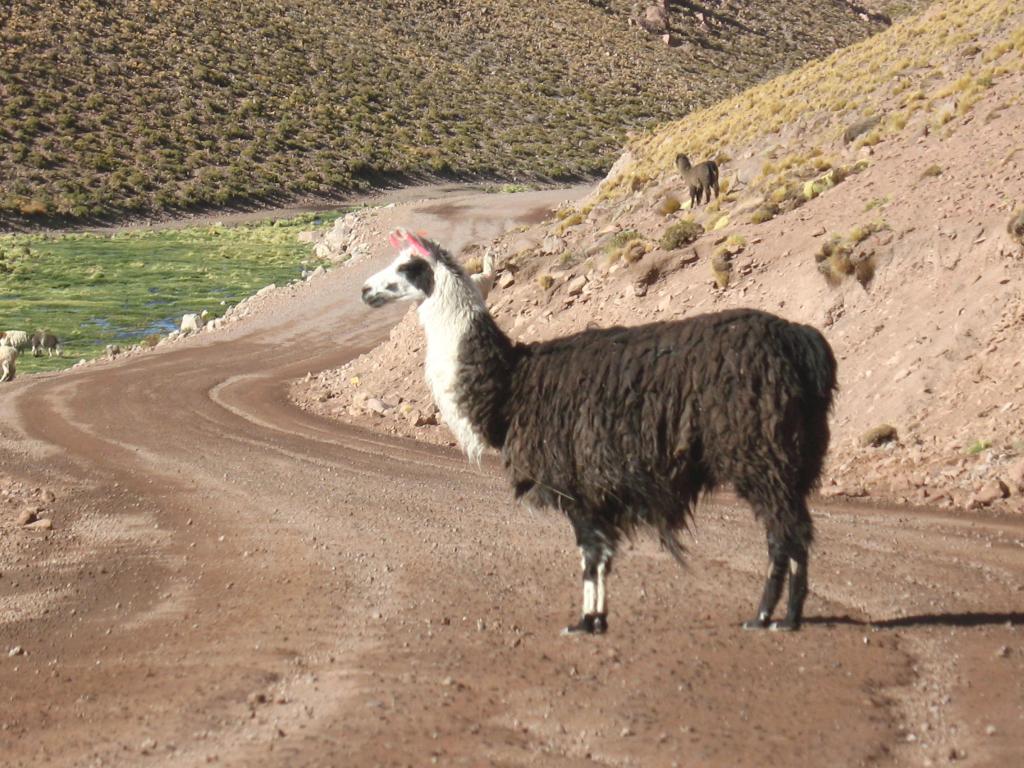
{"x":376,"y":405}
{"x":309,"y":236}
{"x":507,"y":279}
{"x":880,"y":435}
{"x":42,"y":524}
{"x":654,"y":20}
{"x":993,"y":490}
{"x":849,"y":491}
{"x":1015,"y":476}
{"x":418,"y":418}
{"x":27,"y":517}
{"x":16,"y":651}
{"x":552,"y":245}
{"x":191,"y":323}
{"x":575,"y":286}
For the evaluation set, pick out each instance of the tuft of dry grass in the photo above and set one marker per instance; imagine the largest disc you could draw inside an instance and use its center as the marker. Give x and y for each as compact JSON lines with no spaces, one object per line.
{"x":679,"y":234}
{"x":880,"y":435}
{"x":668,"y":205}
{"x":1015,"y":226}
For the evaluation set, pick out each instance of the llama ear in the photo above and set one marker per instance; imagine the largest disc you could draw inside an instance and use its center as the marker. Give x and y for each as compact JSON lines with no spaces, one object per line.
{"x":401,"y":238}
{"x":421,"y":248}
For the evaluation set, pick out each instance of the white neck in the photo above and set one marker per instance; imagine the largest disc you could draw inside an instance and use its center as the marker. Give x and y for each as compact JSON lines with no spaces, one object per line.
{"x":447,"y":316}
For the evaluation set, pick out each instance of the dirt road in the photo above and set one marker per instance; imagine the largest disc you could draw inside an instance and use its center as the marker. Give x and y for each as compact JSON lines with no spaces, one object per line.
{"x":232,"y":581}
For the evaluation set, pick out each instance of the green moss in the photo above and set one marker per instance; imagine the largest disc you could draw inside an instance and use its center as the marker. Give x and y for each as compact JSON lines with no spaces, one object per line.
{"x":94,"y":290}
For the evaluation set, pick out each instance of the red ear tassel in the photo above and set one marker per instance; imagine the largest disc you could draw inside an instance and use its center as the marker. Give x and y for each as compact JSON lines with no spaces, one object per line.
{"x":396,"y":237}
{"x":416,"y":243}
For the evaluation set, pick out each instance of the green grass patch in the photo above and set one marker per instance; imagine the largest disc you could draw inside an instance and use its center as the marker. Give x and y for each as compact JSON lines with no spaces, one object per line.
{"x":93,"y":290}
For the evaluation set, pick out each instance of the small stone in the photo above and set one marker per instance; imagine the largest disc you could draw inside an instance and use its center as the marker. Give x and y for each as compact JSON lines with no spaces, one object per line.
{"x":991,"y":730}
{"x":507,"y":280}
{"x":43,"y":524}
{"x":16,"y":651}
{"x":256,"y":698}
{"x":993,"y":490}
{"x":27,"y":517}
{"x":627,"y":731}
{"x":575,"y":286}
{"x":1003,"y":652}
{"x":552,"y":245}
{"x":376,"y":405}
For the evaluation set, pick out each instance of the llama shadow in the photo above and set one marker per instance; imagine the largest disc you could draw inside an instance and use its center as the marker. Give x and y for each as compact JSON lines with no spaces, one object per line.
{"x":970,"y":619}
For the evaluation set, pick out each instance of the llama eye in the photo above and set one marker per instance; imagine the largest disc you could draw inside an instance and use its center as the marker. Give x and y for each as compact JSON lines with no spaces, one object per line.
{"x":419,"y":274}
{"x":391,"y":287}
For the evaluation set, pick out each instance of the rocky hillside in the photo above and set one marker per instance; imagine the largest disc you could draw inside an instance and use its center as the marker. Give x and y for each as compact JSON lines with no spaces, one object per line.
{"x":127,"y":107}
{"x":878,"y":195}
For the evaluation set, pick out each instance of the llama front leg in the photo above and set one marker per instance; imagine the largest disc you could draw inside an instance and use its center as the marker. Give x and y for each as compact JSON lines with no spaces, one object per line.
{"x":596,"y":563}
{"x":797,"y":591}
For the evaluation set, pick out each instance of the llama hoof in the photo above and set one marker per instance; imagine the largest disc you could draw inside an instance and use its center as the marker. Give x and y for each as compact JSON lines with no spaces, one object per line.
{"x":784,"y":626}
{"x":591,"y":624}
{"x":755,"y":624}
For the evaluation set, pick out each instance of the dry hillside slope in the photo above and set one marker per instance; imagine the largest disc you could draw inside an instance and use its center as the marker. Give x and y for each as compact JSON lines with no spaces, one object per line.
{"x":895,"y":242}
{"x":128,"y":107}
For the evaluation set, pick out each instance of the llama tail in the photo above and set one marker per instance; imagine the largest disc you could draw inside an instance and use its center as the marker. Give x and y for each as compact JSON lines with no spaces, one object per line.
{"x":818,"y":366}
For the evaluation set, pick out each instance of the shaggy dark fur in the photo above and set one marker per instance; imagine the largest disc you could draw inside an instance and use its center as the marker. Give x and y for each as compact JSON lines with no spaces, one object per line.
{"x":626,"y":427}
{"x":701,"y":179}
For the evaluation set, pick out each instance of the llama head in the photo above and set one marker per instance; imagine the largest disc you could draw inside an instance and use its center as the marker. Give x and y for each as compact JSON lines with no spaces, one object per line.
{"x":409,"y":277}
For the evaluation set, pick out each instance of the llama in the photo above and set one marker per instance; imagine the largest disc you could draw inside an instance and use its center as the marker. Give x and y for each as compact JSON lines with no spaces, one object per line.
{"x":623,"y":428}
{"x":701,"y":178}
{"x":45,"y":341}
{"x":17,"y":339}
{"x":8,"y":356}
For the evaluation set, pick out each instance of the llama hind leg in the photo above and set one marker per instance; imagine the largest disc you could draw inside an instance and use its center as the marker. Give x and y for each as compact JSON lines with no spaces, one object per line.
{"x":777,"y":562}
{"x":596,"y":564}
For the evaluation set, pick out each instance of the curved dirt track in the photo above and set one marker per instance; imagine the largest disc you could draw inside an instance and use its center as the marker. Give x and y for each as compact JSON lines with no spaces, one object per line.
{"x":236,"y":582}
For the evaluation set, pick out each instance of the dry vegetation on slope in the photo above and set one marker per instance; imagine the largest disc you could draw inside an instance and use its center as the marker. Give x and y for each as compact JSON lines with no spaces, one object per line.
{"x":109,"y":108}
{"x":901,"y":243}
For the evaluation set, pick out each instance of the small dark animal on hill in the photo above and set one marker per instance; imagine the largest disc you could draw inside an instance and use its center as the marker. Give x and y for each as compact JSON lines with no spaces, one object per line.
{"x":623,"y":428}
{"x":701,"y":178}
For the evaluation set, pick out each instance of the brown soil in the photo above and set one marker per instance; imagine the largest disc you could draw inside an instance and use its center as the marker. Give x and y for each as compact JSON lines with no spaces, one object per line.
{"x":232,"y":580}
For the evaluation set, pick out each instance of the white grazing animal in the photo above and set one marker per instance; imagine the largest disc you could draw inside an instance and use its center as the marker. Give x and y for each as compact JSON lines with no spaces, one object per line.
{"x":7,"y":357}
